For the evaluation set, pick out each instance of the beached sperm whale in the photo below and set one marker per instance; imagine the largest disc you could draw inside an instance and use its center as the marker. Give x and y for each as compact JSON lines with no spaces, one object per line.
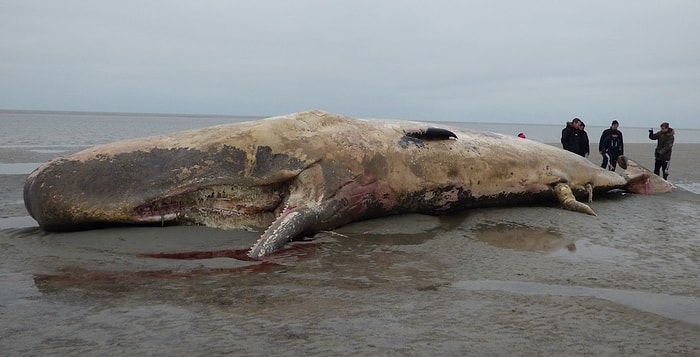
{"x":298,"y":174}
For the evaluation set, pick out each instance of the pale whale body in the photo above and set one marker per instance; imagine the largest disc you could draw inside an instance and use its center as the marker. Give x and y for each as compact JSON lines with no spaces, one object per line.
{"x":298,"y":174}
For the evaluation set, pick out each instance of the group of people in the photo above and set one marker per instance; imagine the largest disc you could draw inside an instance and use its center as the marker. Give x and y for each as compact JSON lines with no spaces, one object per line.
{"x":611,"y":145}
{"x":575,"y":139}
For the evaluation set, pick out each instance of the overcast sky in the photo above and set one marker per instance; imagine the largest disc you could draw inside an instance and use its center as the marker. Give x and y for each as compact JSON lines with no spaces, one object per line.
{"x":514,"y":61}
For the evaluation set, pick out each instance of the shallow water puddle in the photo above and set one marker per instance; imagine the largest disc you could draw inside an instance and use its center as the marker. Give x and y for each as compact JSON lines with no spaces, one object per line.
{"x":693,"y":187}
{"x":521,"y":237}
{"x":585,"y":250}
{"x":547,"y":240}
{"x":683,"y":308}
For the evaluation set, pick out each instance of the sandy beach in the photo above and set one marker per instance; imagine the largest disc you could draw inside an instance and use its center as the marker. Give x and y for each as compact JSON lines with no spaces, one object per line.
{"x":500,"y":281}
{"x":684,"y":165}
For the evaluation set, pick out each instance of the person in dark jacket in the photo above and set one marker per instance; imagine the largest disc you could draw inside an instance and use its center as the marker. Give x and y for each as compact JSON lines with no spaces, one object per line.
{"x":584,"y":146}
{"x":612,"y":149}
{"x":664,"y":147}
{"x":606,"y":133}
{"x":570,"y":136}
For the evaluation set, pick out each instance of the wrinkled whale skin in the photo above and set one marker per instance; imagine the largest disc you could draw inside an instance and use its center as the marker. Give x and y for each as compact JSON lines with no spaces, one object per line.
{"x":301,"y":173}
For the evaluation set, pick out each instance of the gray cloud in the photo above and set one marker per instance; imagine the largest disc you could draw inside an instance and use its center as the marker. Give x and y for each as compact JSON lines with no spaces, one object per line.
{"x":501,"y":61}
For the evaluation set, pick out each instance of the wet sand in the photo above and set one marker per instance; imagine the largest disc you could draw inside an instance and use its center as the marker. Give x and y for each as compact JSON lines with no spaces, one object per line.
{"x":500,"y":281}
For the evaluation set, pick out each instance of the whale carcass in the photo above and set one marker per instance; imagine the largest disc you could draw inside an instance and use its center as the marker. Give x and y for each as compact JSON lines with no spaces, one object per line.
{"x":294,"y":175}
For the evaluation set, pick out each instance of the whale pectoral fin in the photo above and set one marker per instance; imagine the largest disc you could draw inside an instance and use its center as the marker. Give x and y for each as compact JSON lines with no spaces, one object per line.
{"x":568,"y":201}
{"x":289,"y":225}
{"x":301,"y":214}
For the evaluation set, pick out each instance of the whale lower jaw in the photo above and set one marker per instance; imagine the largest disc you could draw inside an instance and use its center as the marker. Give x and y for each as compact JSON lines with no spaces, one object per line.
{"x":220,"y":206}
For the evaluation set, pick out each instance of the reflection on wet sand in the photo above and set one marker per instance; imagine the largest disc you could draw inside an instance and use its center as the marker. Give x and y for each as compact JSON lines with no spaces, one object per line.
{"x":682,"y":308}
{"x":108,"y":280}
{"x":521,"y":237}
{"x":139,"y":260}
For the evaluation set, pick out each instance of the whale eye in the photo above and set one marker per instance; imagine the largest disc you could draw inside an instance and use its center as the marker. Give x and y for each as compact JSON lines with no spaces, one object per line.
{"x":431,"y":134}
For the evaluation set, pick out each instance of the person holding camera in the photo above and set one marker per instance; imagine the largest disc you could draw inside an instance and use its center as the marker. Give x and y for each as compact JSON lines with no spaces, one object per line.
{"x":664,"y":147}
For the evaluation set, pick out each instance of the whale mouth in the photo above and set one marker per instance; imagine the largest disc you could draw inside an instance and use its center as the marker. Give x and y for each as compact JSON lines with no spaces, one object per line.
{"x":220,"y":206}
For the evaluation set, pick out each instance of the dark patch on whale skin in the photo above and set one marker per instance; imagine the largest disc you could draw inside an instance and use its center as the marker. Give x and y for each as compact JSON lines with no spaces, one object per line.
{"x":156,"y":167}
{"x":431,"y":201}
{"x":267,"y":163}
{"x":376,"y":166}
{"x":234,"y":158}
{"x":406,"y":141}
{"x":428,"y":201}
{"x":141,"y":174}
